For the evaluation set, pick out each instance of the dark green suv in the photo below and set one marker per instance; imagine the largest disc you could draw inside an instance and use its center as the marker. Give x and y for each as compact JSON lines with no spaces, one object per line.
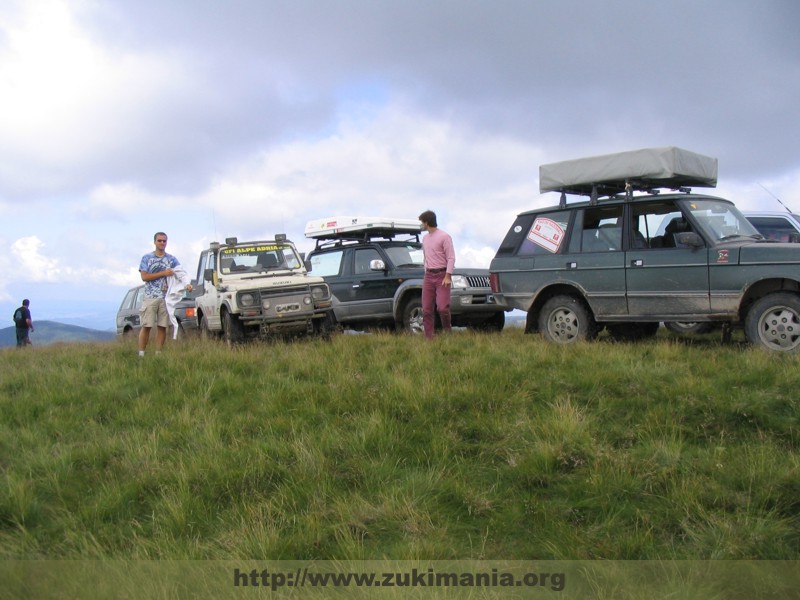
{"x":629,"y":257}
{"x":374,"y":267}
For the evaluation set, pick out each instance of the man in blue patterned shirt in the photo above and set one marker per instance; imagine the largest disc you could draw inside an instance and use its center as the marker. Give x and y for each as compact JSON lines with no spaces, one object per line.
{"x":155,"y":267}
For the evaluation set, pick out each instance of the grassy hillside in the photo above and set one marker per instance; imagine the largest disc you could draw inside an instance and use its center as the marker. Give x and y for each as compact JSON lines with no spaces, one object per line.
{"x":385,"y":446}
{"x":51,"y":332}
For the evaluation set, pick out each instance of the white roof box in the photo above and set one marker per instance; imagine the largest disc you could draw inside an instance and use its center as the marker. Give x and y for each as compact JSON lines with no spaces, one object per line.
{"x":352,"y":227}
{"x":649,"y":168}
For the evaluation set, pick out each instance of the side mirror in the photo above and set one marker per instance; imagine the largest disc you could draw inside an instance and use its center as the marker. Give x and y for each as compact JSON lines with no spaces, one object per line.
{"x":690,"y":238}
{"x":208,"y":275}
{"x":377,"y":265}
{"x":307,"y":264}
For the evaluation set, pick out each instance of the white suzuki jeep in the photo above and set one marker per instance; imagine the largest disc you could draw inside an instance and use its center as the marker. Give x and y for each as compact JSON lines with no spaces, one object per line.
{"x":259,"y":289}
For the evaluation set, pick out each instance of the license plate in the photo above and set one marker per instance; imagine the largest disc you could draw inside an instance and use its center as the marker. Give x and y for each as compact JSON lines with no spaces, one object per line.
{"x":287,"y":308}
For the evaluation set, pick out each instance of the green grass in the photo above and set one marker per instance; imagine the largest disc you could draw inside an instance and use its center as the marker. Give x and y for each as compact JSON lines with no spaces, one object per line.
{"x":385,"y":446}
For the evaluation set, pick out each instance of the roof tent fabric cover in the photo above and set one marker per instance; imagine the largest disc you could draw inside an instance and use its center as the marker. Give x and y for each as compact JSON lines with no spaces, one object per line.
{"x":647,"y":168}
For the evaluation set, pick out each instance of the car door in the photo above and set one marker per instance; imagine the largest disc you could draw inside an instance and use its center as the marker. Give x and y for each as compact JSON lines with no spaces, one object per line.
{"x":207,"y":297}
{"x":371,"y":290}
{"x":128,"y":314}
{"x":664,"y":279}
{"x":595,"y":259}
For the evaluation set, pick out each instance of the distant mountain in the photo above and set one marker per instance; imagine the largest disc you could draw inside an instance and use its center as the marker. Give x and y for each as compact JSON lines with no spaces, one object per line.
{"x":50,"y":332}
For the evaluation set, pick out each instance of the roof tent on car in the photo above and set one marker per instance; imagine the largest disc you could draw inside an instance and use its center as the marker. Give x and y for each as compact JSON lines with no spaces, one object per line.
{"x":356,"y":228}
{"x":647,"y":169}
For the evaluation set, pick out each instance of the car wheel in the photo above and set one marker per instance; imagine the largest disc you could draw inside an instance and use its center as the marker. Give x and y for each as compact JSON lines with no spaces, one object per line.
{"x":325,"y":327}
{"x":689,"y":327}
{"x":412,"y":316}
{"x":566,"y":320}
{"x":232,"y":329}
{"x":205,"y":332}
{"x":493,"y":324}
{"x":773,"y":322}
{"x":631,"y":332}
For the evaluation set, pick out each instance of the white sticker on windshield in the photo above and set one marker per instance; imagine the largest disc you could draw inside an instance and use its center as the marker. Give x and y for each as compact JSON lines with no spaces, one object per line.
{"x":546,"y":233}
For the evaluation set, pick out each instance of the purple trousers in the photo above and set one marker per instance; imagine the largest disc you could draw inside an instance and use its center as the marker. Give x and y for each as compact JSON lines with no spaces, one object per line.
{"x":435,"y":296}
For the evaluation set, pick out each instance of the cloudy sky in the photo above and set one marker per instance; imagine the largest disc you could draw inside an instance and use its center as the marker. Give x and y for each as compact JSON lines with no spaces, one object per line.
{"x":213,"y":118}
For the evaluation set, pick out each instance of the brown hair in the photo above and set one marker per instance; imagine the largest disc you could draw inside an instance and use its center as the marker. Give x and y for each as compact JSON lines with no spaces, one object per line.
{"x":429,"y":218}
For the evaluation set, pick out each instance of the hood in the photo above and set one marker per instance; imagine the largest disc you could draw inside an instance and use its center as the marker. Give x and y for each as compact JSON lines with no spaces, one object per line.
{"x":769,"y":252}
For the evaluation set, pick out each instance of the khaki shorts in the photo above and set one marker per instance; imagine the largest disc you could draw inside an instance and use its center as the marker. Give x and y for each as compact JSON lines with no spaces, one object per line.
{"x":153,"y":313}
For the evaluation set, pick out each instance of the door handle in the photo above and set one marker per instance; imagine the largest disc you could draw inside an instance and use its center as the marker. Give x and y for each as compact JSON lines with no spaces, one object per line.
{"x":637,"y":262}
{"x":356,"y":285}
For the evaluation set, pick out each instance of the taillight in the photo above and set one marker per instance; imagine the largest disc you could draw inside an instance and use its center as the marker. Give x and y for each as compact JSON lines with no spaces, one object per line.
{"x":494,"y":282}
{"x":190,"y":312}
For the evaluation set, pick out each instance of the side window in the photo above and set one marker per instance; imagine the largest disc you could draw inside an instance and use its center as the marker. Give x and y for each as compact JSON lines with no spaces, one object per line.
{"x":773,"y":228}
{"x":327,"y":263}
{"x":206,"y":262}
{"x":543,"y":234}
{"x":601,"y":229}
{"x":363,"y":258}
{"x":656,"y":224}
{"x":127,"y":304}
{"x":139,"y":297}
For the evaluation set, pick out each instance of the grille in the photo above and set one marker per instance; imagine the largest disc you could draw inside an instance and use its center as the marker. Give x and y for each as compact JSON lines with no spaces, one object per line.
{"x":478,"y":281}
{"x":284,"y":291}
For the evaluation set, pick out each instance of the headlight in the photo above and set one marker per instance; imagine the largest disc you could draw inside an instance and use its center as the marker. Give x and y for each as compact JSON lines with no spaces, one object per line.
{"x":459,"y":281}
{"x":265,"y":304}
{"x":247,"y":300}
{"x":320,"y":292}
{"x":307,"y":300}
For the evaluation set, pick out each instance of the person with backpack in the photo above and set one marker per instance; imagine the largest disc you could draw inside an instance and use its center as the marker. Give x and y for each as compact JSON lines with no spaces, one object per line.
{"x":23,"y":323}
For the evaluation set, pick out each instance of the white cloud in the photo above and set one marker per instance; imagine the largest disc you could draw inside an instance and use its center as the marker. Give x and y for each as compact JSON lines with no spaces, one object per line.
{"x":397,"y":165}
{"x":31,"y":264}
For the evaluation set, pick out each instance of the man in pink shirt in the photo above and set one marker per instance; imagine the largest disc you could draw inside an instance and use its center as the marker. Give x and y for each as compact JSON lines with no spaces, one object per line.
{"x":440,"y":258}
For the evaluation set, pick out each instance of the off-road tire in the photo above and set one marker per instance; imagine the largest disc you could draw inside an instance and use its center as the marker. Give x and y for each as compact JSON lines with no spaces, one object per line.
{"x":412,"y":316}
{"x":566,"y":320}
{"x":632,"y":332}
{"x":205,"y":332}
{"x":494,"y":324}
{"x":682,"y":327}
{"x":232,"y":329}
{"x":326,"y":327}
{"x":773,"y":322}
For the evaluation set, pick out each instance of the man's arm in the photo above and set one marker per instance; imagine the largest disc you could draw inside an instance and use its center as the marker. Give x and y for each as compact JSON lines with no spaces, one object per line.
{"x":449,"y":254}
{"x":146,"y":276}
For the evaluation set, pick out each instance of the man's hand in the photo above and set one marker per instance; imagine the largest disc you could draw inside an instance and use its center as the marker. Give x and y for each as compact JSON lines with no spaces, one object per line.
{"x":448,"y":280}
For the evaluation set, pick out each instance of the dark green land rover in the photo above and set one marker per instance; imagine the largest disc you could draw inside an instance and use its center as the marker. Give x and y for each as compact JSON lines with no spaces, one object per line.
{"x":628,"y":257}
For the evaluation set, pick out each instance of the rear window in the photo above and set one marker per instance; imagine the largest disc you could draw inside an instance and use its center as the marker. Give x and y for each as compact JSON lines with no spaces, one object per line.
{"x":536,"y":234}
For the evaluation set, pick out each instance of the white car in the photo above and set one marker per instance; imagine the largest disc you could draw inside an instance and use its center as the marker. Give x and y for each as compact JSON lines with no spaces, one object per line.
{"x":778,"y":226}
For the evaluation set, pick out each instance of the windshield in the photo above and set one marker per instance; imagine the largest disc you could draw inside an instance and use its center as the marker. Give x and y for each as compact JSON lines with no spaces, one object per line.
{"x":407,"y":255}
{"x":258,"y":258}
{"x":720,"y":220}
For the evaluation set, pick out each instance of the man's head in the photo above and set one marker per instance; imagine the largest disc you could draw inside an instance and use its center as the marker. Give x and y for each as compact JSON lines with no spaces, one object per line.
{"x":428,"y":219}
{"x":26,"y":302}
{"x":160,"y":240}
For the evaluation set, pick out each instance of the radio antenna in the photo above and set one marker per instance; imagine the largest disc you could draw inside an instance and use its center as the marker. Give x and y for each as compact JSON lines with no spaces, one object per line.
{"x":776,"y":198}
